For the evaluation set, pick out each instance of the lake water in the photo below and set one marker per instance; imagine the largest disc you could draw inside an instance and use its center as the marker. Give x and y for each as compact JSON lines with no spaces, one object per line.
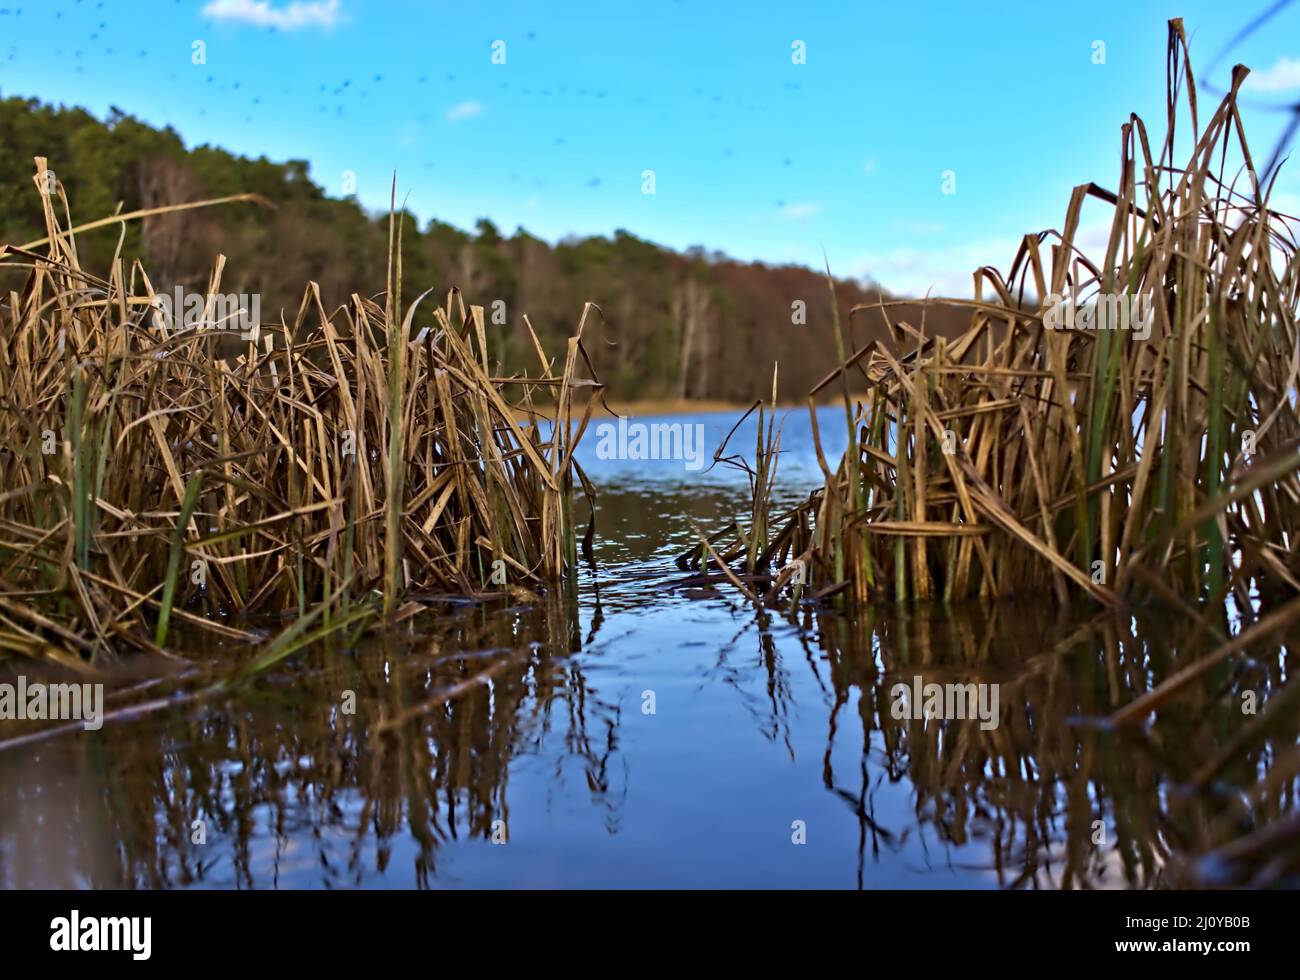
{"x":662,"y":736}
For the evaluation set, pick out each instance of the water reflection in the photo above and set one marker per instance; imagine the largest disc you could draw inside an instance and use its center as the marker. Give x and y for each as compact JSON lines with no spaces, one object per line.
{"x":1043,"y":800}
{"x":289,"y":786}
{"x":668,"y":735}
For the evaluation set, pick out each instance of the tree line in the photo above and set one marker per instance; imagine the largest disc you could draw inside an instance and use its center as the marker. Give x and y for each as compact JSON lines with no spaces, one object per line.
{"x":691,"y":325}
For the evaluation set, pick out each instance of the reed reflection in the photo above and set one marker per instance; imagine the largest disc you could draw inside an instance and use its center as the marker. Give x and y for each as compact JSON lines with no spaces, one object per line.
{"x":1056,"y":799}
{"x":284,"y":785}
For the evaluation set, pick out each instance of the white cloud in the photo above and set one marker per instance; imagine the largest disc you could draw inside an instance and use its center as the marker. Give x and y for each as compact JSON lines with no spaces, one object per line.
{"x":1282,"y":77}
{"x":940,"y":272}
{"x":947,"y":270}
{"x":869,"y":166}
{"x":463,"y":110}
{"x":798,"y":212}
{"x":261,"y":13}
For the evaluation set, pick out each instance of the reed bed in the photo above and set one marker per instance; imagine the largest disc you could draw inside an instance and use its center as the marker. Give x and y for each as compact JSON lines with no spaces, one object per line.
{"x":334,"y":467}
{"x":1035,"y":454}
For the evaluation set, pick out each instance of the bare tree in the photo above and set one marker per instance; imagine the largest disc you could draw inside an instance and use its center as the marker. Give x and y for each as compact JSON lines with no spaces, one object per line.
{"x":164,"y":181}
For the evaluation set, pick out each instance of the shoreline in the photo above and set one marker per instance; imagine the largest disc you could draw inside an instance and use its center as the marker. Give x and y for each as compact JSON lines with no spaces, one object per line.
{"x":676,"y":406}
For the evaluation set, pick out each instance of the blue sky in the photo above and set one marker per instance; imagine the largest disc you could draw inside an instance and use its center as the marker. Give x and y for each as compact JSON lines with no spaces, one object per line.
{"x":752,"y":154}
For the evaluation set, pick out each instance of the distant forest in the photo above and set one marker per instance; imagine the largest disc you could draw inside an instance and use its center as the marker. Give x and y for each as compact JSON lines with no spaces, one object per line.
{"x":693,"y":325}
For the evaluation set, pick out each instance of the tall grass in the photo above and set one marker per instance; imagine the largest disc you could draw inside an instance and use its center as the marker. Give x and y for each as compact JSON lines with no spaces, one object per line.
{"x":1029,"y":457}
{"x":156,"y":471}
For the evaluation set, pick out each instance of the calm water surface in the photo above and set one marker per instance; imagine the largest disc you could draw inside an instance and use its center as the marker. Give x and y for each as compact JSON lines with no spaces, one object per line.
{"x":763,"y":729}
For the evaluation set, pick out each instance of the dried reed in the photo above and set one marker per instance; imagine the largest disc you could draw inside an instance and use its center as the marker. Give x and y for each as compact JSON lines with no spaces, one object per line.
{"x":159,"y":471}
{"x":1032,"y":454}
